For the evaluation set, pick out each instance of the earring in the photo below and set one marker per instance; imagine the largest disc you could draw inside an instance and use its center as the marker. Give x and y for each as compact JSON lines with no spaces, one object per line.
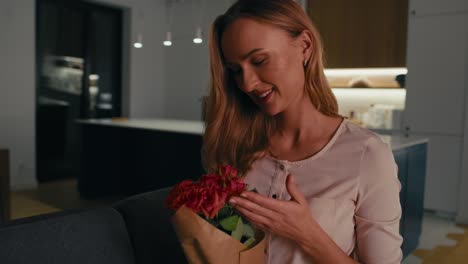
{"x":305,"y":63}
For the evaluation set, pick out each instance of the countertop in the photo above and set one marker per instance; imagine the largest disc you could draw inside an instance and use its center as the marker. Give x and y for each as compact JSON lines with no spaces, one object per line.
{"x":396,"y":142}
{"x":170,"y":125}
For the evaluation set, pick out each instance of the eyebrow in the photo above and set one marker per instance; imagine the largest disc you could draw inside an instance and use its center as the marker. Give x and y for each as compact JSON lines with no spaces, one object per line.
{"x":250,"y":53}
{"x":247,"y":55}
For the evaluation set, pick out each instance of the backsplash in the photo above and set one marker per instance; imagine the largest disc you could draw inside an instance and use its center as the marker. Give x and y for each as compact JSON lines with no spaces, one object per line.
{"x":374,"y":108}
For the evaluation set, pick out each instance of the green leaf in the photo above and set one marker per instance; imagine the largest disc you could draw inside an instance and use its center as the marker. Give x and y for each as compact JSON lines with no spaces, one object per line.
{"x":237,"y":233}
{"x":248,"y":231}
{"x":230,"y":223}
{"x":250,"y":242}
{"x":225,"y":212}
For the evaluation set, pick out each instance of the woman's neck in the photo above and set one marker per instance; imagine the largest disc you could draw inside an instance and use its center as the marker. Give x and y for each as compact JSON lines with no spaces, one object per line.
{"x":301,"y":121}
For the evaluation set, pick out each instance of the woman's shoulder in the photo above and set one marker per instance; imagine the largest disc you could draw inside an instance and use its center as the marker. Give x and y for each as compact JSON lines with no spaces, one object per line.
{"x":370,"y":140}
{"x":376,"y":159}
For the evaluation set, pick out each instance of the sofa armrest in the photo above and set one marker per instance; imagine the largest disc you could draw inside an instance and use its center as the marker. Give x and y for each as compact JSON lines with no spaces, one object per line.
{"x":94,"y":236}
{"x":150,"y":229}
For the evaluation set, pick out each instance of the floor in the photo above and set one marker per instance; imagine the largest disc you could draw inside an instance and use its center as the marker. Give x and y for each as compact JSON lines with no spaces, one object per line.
{"x":438,"y":232}
{"x":52,"y":197}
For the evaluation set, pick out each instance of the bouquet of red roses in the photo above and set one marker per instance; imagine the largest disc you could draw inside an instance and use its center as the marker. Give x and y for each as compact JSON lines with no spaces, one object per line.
{"x":208,"y":228}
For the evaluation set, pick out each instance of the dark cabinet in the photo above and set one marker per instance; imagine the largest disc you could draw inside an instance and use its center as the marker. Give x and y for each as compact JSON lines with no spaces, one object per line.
{"x":401,"y":158}
{"x":4,"y":185}
{"x":122,"y":161}
{"x":411,"y":163}
{"x":78,"y":47}
{"x":362,"y":34}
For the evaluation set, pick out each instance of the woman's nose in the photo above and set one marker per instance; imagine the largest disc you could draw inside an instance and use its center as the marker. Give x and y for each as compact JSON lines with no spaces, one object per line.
{"x":249,"y":81}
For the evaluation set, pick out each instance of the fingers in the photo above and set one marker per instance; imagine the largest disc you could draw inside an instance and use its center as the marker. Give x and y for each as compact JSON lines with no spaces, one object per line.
{"x":251,"y":206}
{"x":259,"y":221}
{"x":294,"y":191}
{"x":264,"y":202}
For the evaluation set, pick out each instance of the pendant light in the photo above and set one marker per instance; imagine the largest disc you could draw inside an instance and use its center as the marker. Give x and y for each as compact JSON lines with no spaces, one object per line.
{"x":138,"y":44}
{"x":198,"y":36}
{"x":168,"y":40}
{"x":198,"y":39}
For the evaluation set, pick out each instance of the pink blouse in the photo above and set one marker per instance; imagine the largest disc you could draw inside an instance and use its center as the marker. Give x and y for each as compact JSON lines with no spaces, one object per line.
{"x":353,"y":193}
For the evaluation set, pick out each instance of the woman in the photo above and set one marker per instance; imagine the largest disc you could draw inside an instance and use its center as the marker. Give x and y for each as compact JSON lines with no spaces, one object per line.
{"x":328,"y":190}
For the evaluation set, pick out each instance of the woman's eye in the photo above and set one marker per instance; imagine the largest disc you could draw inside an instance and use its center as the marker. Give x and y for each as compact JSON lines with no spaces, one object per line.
{"x":258,"y":62}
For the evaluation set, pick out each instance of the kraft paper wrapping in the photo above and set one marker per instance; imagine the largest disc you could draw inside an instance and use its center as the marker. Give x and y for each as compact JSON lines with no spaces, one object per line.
{"x":203,"y":243}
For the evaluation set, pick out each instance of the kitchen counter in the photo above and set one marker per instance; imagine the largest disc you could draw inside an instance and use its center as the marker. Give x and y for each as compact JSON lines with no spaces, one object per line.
{"x":168,"y":125}
{"x":126,"y":157}
{"x":398,"y":142}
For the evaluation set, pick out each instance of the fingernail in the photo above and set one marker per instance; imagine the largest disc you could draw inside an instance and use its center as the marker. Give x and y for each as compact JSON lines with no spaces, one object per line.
{"x":243,"y":195}
{"x":232,"y":201}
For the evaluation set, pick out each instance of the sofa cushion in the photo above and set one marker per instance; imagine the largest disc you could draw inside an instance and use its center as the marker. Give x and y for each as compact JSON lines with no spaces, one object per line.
{"x":150,"y":229}
{"x":83,"y":237}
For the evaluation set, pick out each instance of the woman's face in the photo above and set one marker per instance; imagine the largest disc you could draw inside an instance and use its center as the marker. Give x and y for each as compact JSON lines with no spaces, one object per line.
{"x":266,"y":63}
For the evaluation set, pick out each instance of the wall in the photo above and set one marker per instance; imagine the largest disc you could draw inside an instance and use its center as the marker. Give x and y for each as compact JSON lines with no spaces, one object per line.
{"x":359,"y":100}
{"x":17,"y":88}
{"x":144,"y":83}
{"x":187,"y":64}
{"x":146,"y":79}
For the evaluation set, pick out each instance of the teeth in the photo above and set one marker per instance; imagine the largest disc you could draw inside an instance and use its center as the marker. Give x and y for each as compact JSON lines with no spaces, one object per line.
{"x":263,"y":95}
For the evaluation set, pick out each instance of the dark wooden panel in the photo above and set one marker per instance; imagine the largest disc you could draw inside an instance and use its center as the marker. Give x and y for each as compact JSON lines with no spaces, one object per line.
{"x":4,"y":185}
{"x":362,"y":33}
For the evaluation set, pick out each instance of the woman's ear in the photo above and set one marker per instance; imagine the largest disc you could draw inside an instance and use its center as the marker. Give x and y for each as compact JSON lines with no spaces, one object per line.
{"x":306,"y":44}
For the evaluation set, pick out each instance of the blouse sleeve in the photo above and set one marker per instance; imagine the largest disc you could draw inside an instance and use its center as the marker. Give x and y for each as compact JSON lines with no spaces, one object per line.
{"x":378,"y":208}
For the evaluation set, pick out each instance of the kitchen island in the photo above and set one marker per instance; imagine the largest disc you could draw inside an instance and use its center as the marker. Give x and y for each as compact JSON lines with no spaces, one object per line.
{"x":125,"y":157}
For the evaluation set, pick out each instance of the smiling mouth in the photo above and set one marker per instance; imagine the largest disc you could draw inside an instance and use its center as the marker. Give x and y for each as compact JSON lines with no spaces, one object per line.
{"x":265,"y":94}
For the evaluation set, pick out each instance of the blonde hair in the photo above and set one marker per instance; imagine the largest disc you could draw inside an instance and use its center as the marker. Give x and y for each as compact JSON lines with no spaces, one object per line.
{"x":236,"y":131}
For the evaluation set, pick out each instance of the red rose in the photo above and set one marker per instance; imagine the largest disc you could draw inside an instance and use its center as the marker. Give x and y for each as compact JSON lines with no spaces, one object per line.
{"x":180,"y":194}
{"x":209,"y":194}
{"x":211,"y":180}
{"x":235,"y":186}
{"x":227,"y":171}
{"x":213,"y":199}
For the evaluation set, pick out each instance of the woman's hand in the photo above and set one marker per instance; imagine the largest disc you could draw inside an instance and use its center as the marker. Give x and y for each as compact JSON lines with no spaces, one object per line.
{"x":291,"y":219}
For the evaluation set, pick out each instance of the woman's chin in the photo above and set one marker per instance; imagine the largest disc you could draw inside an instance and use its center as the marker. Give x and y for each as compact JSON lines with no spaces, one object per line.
{"x":270,"y":111}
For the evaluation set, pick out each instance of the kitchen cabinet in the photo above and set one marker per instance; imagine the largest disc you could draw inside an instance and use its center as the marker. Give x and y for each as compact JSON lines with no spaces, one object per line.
{"x":462,"y":212}
{"x":121,"y":158}
{"x":435,"y":100}
{"x":362,"y":34}
{"x":4,"y":185}
{"x":411,"y":163}
{"x":401,"y":159}
{"x":426,"y":7}
{"x":443,"y":175}
{"x":437,"y":52}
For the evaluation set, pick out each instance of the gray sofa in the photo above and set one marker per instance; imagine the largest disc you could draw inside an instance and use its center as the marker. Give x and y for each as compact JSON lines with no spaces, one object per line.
{"x":135,"y":230}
